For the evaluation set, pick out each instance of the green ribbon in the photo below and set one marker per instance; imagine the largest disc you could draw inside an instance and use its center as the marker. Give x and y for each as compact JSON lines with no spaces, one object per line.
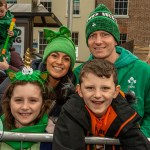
{"x":49,"y":35}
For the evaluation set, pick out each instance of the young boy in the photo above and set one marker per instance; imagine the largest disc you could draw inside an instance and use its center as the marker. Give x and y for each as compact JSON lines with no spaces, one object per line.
{"x":5,"y":21}
{"x":98,"y":110}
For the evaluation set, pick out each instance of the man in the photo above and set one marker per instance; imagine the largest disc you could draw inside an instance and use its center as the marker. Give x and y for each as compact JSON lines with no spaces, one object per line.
{"x":102,"y":37}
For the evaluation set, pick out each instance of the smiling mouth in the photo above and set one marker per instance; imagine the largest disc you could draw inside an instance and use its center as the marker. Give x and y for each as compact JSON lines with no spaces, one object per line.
{"x":25,"y":114}
{"x":98,"y":102}
{"x":99,"y":48}
{"x":58,"y":68}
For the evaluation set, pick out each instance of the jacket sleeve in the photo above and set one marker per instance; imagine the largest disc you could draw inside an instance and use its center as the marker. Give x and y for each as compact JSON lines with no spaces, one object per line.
{"x":16,"y":62}
{"x":134,"y":139}
{"x":16,"y":32}
{"x":145,"y":124}
{"x":68,"y":135}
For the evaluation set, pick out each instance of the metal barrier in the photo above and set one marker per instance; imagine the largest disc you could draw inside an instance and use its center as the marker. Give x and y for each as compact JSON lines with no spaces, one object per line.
{"x":45,"y":137}
{"x":38,"y":137}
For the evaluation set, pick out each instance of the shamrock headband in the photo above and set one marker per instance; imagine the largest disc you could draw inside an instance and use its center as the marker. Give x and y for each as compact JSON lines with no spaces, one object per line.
{"x":27,"y":73}
{"x":59,"y":42}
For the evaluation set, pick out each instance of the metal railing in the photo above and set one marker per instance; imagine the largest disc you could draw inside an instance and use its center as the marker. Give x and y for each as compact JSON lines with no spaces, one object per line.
{"x":45,"y":137}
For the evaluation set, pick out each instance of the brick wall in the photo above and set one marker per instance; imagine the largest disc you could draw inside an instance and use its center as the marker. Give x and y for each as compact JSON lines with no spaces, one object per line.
{"x":136,"y":25}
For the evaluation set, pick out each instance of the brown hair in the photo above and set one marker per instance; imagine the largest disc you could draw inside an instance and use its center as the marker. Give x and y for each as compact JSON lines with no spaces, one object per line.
{"x":8,"y":117}
{"x":3,"y":2}
{"x":100,"y":68}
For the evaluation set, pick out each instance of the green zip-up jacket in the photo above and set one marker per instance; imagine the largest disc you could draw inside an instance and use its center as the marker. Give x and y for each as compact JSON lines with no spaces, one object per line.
{"x":133,"y":75}
{"x":4,"y":26}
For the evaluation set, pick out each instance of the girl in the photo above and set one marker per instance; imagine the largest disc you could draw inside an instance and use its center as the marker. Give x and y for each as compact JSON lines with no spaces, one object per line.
{"x":24,"y":107}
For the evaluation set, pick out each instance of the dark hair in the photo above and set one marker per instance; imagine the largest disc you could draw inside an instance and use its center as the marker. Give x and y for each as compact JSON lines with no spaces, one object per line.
{"x":99,"y":67}
{"x":8,"y":117}
{"x":63,"y":90}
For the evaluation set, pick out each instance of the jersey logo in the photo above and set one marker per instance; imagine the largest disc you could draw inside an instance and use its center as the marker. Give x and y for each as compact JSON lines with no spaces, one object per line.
{"x":132,"y":83}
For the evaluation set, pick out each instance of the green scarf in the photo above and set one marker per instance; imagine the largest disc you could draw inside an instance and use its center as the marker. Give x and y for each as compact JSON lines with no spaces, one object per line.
{"x":37,"y":128}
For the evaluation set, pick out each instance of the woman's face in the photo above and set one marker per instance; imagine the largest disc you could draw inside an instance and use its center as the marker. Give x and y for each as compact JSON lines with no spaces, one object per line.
{"x":26,"y":104}
{"x":58,"y":64}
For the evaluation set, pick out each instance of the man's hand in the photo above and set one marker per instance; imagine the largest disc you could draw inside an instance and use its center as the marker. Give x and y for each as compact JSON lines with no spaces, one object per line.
{"x":4,"y":65}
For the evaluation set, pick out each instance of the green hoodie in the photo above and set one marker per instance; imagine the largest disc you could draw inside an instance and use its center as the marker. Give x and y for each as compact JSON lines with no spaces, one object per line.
{"x":133,"y":75}
{"x":4,"y":26}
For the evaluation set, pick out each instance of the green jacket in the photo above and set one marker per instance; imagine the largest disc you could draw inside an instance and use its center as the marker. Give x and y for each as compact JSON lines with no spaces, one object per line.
{"x":133,"y":75}
{"x":4,"y":26}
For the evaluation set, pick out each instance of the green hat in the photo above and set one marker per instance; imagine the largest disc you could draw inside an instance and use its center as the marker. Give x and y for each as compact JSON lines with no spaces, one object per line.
{"x":59,"y":42}
{"x":102,"y":19}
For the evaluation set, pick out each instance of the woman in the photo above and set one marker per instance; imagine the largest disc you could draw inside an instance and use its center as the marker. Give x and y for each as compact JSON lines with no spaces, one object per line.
{"x":58,"y":59}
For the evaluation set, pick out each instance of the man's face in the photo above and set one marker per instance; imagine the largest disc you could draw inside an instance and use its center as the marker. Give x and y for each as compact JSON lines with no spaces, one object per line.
{"x":3,"y":11}
{"x":98,"y":93}
{"x":102,"y":45}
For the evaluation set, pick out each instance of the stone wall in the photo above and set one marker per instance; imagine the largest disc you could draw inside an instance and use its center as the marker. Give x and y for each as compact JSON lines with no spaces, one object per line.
{"x":141,"y":52}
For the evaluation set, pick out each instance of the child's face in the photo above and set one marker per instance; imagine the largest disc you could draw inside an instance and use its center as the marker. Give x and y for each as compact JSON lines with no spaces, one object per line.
{"x":25,"y":104}
{"x":3,"y":11}
{"x":98,"y":93}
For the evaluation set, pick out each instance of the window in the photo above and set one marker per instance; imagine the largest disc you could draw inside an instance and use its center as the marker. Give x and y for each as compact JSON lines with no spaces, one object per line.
{"x":123,"y":38}
{"x":11,"y":1}
{"x":76,"y":7}
{"x":121,"y":7}
{"x":47,"y":4}
{"x":42,"y":42}
{"x":75,"y":37}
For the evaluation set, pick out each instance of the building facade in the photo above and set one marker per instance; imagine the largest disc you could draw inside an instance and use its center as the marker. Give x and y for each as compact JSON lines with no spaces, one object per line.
{"x":132,"y":16}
